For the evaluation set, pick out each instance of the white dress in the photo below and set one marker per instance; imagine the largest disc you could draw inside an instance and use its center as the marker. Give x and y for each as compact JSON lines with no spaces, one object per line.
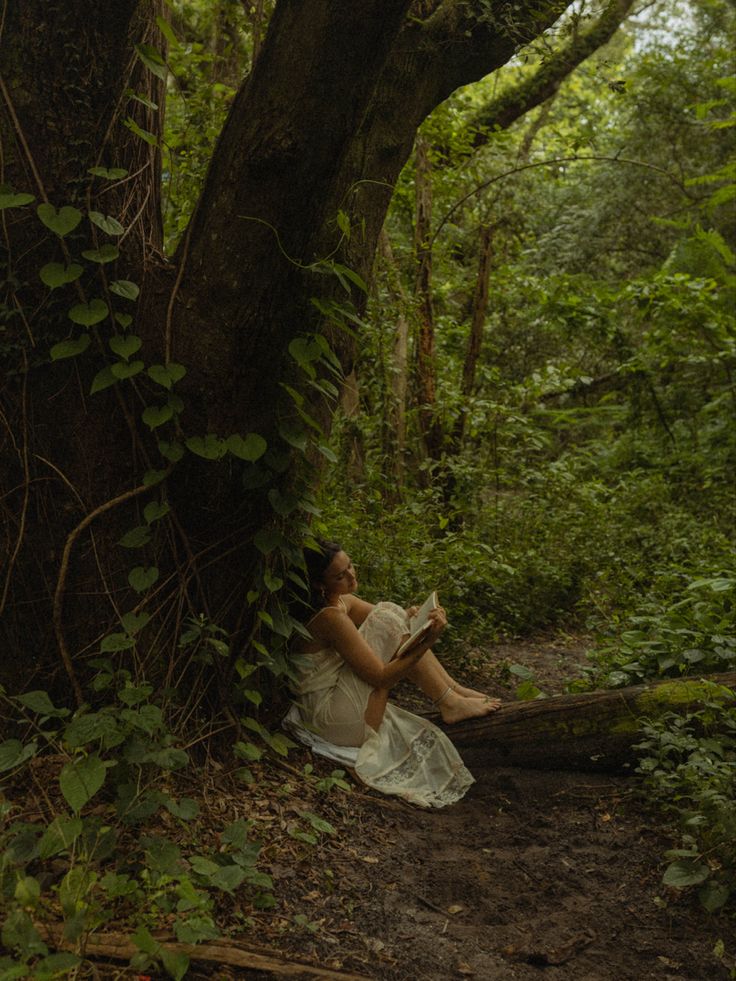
{"x":407,"y":755}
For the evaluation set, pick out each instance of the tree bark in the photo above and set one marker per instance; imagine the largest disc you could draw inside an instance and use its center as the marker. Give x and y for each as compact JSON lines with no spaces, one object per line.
{"x":590,"y":731}
{"x":316,"y":137}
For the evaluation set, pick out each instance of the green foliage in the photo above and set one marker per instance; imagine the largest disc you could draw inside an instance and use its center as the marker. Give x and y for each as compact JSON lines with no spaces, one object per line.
{"x":112,"y":766}
{"x":688,"y":766}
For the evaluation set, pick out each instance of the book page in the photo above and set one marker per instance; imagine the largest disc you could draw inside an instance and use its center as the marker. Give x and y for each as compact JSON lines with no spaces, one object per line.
{"x":419,"y":623}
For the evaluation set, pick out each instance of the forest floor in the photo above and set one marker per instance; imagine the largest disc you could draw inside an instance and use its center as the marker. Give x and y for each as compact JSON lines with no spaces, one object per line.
{"x":534,"y":875}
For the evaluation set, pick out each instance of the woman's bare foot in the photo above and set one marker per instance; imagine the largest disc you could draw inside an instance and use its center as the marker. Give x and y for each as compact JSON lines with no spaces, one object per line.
{"x":456,"y":707}
{"x":469,"y":692}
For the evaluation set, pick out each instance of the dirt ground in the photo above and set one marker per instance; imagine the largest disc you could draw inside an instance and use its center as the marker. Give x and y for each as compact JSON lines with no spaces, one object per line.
{"x":533,"y":874}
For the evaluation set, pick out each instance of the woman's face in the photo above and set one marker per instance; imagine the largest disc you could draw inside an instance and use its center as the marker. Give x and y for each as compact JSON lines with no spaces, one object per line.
{"x":339,"y":577}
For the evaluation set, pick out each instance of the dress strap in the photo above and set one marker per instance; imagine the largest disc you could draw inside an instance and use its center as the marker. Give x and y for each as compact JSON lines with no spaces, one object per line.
{"x":341,"y":605}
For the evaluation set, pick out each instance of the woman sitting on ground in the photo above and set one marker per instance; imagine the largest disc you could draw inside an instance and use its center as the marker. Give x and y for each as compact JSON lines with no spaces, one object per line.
{"x":346,"y":670}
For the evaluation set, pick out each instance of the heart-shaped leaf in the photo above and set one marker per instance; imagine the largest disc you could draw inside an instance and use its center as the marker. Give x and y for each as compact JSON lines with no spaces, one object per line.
{"x":124,"y":288}
{"x":249,"y":448}
{"x":142,"y":578}
{"x":110,"y":173}
{"x":102,"y":380}
{"x":55,"y":274}
{"x":122,"y":369}
{"x":155,"y":415}
{"x":70,"y":349}
{"x":153,"y":477}
{"x":210,"y":447}
{"x":107,"y":223}
{"x":133,"y":622}
{"x":90,"y":313}
{"x":62,"y":222}
{"x":167,"y":375}
{"x":124,"y":347}
{"x":172,"y":451}
{"x":13,"y":200}
{"x":105,"y":253}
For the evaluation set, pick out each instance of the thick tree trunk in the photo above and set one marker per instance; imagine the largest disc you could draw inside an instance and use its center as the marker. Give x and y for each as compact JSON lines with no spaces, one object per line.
{"x":302,"y":176}
{"x":590,"y":731}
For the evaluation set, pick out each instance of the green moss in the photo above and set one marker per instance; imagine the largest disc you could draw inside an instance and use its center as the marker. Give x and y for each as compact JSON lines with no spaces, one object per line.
{"x":675,"y":693}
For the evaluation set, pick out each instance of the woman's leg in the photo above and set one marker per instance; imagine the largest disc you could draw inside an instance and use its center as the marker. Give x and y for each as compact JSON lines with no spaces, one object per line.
{"x":451,"y":699}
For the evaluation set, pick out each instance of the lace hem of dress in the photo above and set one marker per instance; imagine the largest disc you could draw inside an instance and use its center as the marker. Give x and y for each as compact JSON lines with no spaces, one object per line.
{"x":399,"y":779}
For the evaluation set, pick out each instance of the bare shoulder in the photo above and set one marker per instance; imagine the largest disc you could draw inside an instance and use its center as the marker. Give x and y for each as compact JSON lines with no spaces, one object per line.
{"x":330,"y":623}
{"x":357,"y":608}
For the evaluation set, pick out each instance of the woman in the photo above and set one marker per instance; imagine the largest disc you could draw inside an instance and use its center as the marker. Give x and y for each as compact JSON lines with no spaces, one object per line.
{"x":345,"y":670}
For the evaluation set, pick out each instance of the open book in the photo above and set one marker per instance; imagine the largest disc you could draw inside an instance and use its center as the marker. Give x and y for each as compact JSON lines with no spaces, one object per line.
{"x":419,"y":624}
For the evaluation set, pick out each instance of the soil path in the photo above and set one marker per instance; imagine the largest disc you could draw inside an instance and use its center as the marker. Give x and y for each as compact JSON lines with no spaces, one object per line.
{"x":533,"y":874}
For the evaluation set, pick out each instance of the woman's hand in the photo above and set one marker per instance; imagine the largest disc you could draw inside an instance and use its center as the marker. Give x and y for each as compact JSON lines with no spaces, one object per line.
{"x":412,"y":611}
{"x":438,"y":619}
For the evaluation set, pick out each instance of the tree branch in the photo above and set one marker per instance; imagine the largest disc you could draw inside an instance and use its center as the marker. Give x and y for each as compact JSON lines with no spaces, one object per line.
{"x":514,"y":103}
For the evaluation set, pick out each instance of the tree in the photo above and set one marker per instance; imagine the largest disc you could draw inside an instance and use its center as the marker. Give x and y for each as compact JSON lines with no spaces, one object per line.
{"x":257,"y":297}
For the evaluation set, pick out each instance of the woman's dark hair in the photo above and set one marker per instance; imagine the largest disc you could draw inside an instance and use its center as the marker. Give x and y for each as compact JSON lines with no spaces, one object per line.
{"x":317,"y":561}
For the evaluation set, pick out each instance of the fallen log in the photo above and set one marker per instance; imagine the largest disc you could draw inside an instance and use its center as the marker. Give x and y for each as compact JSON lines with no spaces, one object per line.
{"x":229,"y":953}
{"x":594,"y":730}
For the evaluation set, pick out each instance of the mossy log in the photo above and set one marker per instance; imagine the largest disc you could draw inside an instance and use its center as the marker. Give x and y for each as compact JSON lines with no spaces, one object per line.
{"x":594,"y":730}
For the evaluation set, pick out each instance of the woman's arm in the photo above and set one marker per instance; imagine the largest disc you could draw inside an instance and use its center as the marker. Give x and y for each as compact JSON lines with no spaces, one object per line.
{"x":337,"y":630}
{"x":357,"y":608}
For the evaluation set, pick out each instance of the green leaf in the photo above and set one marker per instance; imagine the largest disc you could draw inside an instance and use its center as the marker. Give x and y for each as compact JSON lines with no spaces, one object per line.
{"x":55,"y":274}
{"x":12,"y":200}
{"x":268,"y":540}
{"x":195,"y":929}
{"x":155,"y":510}
{"x":168,"y":759}
{"x":186,"y":808}
{"x":172,"y":451}
{"x":59,"y":836}
{"x":155,"y":416}
{"x":90,"y":313}
{"x":105,"y":253}
{"x":61,"y":222}
{"x":133,"y":622}
{"x":153,"y":477}
{"x":71,"y":348}
{"x":250,"y":448}
{"x":122,"y":369}
{"x":40,"y":703}
{"x":13,"y":753}
{"x":713,"y":895}
{"x":116,"y":642}
{"x":109,"y":173}
{"x":272,"y":583}
{"x":108,"y":224}
{"x":167,"y":375}
{"x":142,"y":578}
{"x":58,"y":965}
{"x":153,"y":60}
{"x":124,"y":347}
{"x":20,"y":933}
{"x":124,"y":319}
{"x":136,"y":537}
{"x":210,"y":447}
{"x":125,"y":288}
{"x":176,"y":962}
{"x":80,"y":781}
{"x":103,"y":379}
{"x":133,"y":126}
{"x":168,"y":32}
{"x":327,"y":453}
{"x":679,"y":875}
{"x":143,"y":99}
